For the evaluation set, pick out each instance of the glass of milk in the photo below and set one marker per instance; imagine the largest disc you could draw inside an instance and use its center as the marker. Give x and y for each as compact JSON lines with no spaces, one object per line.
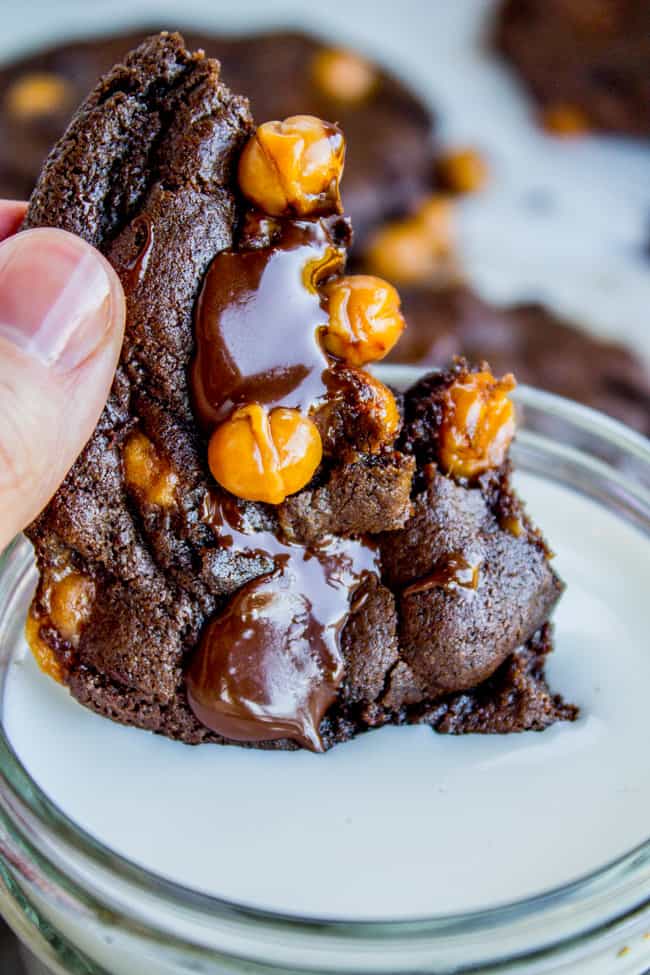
{"x":122,"y":853}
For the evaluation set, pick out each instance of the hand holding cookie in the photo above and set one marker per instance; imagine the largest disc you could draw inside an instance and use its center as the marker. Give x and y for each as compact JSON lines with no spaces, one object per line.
{"x":61,"y":325}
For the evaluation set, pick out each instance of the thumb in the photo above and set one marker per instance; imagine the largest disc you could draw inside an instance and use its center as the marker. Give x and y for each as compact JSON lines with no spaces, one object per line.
{"x":61,"y":326}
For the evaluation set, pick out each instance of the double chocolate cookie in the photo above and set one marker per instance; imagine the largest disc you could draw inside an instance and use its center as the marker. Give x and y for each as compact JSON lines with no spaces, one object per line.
{"x":388,"y":128}
{"x":261,"y":544}
{"x":584,"y":61}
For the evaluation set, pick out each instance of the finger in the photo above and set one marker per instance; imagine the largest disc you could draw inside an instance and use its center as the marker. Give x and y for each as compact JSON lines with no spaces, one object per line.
{"x":12,"y":214}
{"x":61,"y":326}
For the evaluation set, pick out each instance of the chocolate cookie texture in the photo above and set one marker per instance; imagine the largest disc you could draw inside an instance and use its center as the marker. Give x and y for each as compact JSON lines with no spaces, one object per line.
{"x":388,"y":129}
{"x":541,"y":348}
{"x":584,"y":61}
{"x":259,"y":545}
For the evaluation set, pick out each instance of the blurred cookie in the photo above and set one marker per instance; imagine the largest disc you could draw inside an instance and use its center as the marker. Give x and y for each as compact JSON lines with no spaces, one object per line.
{"x":541,"y":348}
{"x":586,"y":62}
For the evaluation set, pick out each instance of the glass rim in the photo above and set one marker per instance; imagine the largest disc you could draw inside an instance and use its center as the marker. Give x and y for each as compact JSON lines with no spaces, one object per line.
{"x":36,"y":818}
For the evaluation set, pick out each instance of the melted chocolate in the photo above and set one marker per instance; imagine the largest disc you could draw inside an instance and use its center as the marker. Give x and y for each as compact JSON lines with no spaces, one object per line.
{"x":269,"y":666}
{"x":450,"y":573}
{"x":258,"y":318}
{"x":134,"y":272}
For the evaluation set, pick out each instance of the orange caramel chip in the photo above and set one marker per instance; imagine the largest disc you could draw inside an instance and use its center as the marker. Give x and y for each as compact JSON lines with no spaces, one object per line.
{"x":412,"y":250}
{"x":565,"y":120}
{"x":148,"y":472}
{"x":365,"y":320}
{"x":262,"y":456}
{"x":38,"y":94}
{"x":44,"y":655}
{"x":293,"y":167}
{"x":343,"y":75}
{"x":71,"y":600}
{"x":478,"y":424}
{"x":462,"y":170}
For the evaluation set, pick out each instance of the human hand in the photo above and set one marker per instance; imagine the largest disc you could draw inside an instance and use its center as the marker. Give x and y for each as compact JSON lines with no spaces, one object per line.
{"x":61,"y":327}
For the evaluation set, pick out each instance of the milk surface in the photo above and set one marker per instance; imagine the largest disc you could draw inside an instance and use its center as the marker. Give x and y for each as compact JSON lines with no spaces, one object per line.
{"x":400,"y":822}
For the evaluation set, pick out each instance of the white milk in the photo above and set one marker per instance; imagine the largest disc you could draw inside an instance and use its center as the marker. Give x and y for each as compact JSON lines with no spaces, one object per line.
{"x":492,"y":818}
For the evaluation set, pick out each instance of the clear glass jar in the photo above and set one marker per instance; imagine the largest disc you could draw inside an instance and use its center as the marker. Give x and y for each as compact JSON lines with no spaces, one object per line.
{"x":82,"y":909}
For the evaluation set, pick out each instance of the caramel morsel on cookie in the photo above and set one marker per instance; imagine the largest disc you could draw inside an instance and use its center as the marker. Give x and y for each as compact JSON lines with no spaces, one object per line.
{"x":413,"y":249}
{"x":262,"y":456}
{"x":42,"y":652}
{"x":71,"y":599}
{"x":343,"y":75}
{"x":565,"y":121}
{"x":293,"y":167}
{"x":462,"y":170}
{"x":478,"y":424}
{"x":360,"y":413}
{"x":147,"y":472}
{"x":40,"y":93}
{"x":365,"y":320}
{"x":67,"y":602}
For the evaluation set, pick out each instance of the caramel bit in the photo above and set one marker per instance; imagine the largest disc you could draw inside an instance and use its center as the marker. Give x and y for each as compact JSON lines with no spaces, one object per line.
{"x":381,"y":407}
{"x":71,"y":600}
{"x":565,"y":120}
{"x":365,"y":320}
{"x":38,"y":94}
{"x":343,"y":75}
{"x":43,"y":654}
{"x":412,"y":250}
{"x":462,"y":171}
{"x":293,"y":167}
{"x":478,"y":424}
{"x":147,"y":472}
{"x":68,"y":600}
{"x":359,"y":413}
{"x":514,"y":525}
{"x":261,"y":456}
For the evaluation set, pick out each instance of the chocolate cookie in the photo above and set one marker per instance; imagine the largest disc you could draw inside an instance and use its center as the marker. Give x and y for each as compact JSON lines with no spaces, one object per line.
{"x":260,"y":545}
{"x":543,"y":349}
{"x":387,"y":127}
{"x":584,"y":61}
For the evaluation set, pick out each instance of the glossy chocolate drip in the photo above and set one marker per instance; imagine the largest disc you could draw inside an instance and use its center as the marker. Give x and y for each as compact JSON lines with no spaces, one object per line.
{"x":269,"y":666}
{"x":134,"y":272}
{"x":258,"y":317}
{"x":450,"y":573}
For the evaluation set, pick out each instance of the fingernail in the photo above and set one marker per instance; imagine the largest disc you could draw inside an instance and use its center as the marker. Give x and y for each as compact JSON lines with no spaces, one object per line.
{"x":55,"y":297}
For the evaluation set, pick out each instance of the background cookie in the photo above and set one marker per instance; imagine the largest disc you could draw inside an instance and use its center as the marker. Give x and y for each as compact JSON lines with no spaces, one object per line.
{"x":541,"y":348}
{"x":586,"y":62}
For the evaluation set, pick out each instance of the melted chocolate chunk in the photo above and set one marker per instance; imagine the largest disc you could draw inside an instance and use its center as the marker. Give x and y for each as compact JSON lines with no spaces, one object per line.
{"x":270,"y":665}
{"x":258,"y":319}
{"x":135,"y":270}
{"x":452,"y":571}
